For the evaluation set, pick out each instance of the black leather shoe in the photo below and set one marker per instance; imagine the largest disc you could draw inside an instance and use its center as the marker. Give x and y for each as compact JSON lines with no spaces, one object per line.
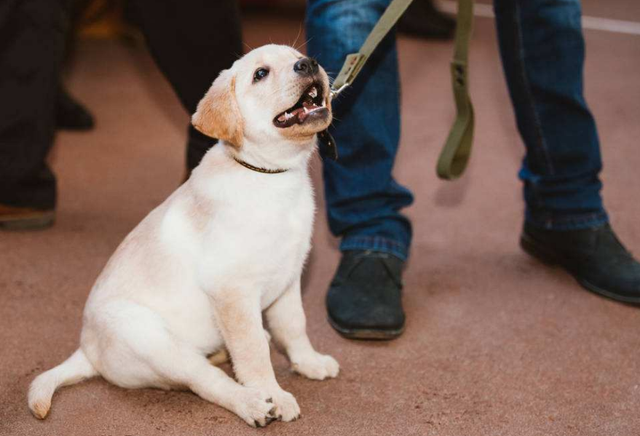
{"x":595,"y":257}
{"x":365,"y":297}
{"x":70,"y":114}
{"x":423,"y":20}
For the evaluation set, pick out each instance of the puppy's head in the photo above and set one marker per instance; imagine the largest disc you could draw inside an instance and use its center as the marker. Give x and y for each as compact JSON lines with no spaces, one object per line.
{"x":270,"y":94}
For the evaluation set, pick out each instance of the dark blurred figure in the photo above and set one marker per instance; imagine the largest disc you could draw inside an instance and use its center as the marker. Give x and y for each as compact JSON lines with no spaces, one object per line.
{"x":32,"y":40}
{"x":191,"y":40}
{"x":70,"y":113}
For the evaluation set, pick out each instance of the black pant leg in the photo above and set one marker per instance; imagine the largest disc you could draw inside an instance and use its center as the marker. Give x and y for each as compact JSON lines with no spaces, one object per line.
{"x":32,"y":39}
{"x":192,"y":41}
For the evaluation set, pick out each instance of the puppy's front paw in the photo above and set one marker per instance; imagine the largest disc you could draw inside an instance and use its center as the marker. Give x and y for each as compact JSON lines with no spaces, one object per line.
{"x":316,"y":366}
{"x":287,"y":408}
{"x":255,"y":407}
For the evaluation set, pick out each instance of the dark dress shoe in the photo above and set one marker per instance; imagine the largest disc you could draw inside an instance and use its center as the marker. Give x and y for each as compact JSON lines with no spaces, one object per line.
{"x":365,"y":297}
{"x":70,"y":114}
{"x":595,"y":257}
{"x":423,"y":20}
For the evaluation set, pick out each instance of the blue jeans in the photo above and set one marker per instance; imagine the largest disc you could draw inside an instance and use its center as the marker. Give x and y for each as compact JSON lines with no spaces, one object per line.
{"x":542,"y":51}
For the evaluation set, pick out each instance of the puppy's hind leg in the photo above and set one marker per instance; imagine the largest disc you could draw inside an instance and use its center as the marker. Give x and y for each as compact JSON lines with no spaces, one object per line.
{"x":287,"y":323}
{"x":219,"y":357}
{"x":159,"y":359}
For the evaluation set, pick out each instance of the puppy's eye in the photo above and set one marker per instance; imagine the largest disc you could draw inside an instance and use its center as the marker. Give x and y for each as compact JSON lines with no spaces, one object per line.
{"x":260,"y":74}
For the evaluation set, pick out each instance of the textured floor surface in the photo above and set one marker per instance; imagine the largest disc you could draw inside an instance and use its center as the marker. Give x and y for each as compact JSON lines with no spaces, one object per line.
{"x":496,"y":343}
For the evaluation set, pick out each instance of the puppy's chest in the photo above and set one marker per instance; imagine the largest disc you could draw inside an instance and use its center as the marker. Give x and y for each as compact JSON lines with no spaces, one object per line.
{"x":284,"y":226}
{"x":280,"y":263}
{"x":264,"y":236}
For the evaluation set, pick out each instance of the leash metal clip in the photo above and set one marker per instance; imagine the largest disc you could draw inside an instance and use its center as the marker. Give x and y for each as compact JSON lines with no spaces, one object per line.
{"x":335,"y":92}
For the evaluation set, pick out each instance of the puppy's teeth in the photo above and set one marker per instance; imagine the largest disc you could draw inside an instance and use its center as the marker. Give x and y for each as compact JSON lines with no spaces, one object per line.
{"x":313,"y":92}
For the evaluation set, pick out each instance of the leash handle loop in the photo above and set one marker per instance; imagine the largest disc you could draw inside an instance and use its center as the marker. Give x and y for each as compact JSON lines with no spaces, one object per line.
{"x":456,"y":152}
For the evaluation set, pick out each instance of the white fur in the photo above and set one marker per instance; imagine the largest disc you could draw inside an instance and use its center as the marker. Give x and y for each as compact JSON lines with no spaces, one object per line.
{"x":194,"y":277}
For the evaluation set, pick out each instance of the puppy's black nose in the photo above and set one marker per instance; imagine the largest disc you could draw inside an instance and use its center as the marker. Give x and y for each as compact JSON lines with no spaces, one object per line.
{"x":306,"y":67}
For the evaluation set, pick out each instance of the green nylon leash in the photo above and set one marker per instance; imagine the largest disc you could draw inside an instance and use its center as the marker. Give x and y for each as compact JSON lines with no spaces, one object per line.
{"x":355,"y":61}
{"x":455,"y":154}
{"x":457,"y":150}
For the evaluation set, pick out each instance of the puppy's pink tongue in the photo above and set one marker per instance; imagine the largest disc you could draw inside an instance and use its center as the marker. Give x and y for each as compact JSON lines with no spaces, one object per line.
{"x":307,"y":107}
{"x":300,"y":113}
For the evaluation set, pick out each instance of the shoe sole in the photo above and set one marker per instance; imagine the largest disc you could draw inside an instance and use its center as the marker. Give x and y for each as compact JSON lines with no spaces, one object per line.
{"x":366,"y":334}
{"x":531,"y":247}
{"x":37,"y":221}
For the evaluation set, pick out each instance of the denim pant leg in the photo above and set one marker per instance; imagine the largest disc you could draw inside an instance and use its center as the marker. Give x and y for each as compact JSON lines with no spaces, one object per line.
{"x":542,"y":51}
{"x":363,"y":199}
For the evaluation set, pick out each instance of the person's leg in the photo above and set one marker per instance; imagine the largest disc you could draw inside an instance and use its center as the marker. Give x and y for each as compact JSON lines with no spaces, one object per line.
{"x":192,"y":41}
{"x":32,"y":36}
{"x":543,"y":55}
{"x":363,"y":199}
{"x":542,"y":51}
{"x":197,"y":145}
{"x":71,"y":114}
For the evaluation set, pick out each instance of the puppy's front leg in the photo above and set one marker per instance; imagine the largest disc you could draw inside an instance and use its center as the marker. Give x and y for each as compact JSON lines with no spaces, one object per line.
{"x":240,"y":320}
{"x":287,"y":324}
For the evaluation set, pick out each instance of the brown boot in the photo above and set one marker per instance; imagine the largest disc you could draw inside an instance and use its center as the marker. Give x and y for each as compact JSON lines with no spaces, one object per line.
{"x":25,"y":218}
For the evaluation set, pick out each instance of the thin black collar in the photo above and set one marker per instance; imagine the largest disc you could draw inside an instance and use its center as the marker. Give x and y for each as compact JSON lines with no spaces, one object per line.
{"x":258,"y":169}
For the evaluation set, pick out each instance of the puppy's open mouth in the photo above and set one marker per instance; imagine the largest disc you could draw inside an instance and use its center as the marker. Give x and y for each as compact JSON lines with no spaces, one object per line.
{"x":310,"y":106}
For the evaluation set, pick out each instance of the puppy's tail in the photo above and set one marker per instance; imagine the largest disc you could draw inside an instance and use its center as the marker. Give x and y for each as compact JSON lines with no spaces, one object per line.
{"x":73,"y":370}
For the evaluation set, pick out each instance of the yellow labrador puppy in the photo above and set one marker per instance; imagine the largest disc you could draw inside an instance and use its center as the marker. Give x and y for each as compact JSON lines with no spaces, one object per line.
{"x":194,"y":277}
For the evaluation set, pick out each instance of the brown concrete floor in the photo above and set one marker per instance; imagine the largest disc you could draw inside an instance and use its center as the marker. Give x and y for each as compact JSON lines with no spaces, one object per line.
{"x":496,"y":344}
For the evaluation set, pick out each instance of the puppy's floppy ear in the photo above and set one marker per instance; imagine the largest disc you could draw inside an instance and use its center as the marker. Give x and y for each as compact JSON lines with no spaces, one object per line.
{"x":218,"y":114}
